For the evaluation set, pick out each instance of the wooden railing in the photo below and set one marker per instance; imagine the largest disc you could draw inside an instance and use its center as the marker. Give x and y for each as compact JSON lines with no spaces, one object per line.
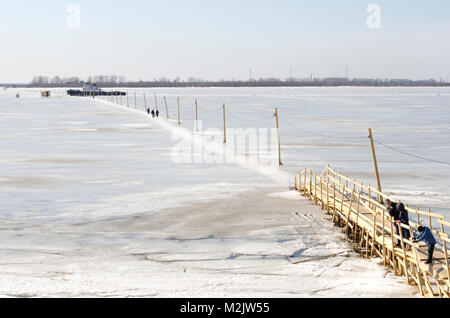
{"x":360,"y":210}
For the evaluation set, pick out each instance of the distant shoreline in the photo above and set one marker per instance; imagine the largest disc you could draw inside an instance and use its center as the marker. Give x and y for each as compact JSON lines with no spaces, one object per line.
{"x":218,"y":85}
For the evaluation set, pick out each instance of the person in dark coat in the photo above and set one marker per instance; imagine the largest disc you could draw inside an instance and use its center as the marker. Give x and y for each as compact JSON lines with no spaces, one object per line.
{"x":392,"y":209}
{"x":425,"y":235}
{"x":153,"y":113}
{"x":148,"y":111}
{"x":403,"y":218}
{"x":157,"y":113}
{"x":393,"y":212}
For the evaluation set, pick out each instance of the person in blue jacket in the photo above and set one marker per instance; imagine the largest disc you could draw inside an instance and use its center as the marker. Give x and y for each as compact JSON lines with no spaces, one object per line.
{"x":425,"y":235}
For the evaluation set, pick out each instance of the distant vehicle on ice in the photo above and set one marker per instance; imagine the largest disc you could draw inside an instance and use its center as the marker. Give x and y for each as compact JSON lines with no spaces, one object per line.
{"x":90,"y":89}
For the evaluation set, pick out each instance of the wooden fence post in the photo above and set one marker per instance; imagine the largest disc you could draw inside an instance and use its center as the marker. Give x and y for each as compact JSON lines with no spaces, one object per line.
{"x":328,"y":197}
{"x":394,"y":244}
{"x":355,"y":230}
{"x":224,"y":125}
{"x":383,"y":233}
{"x":321,"y":195}
{"x":315,"y":188}
{"x":278,"y":135}
{"x":304,"y":189}
{"x":179,"y":116}
{"x":343,"y":198}
{"x":196,"y":114}
{"x":405,"y":257}
{"x":374,"y":232}
{"x":350,"y":209}
{"x":167,"y":109}
{"x":431,"y":224}
{"x":334,"y":203}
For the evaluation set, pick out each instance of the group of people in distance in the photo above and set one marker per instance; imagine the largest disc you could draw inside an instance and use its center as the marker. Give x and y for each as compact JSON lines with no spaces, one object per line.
{"x":154,"y":114}
{"x":400,"y":215}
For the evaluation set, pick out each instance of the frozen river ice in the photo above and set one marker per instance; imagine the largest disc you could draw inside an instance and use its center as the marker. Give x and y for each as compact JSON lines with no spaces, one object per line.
{"x":94,"y":205}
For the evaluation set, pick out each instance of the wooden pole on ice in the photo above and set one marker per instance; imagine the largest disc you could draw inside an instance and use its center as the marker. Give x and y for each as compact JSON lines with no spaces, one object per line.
{"x":278,"y":135}
{"x":196,"y":114}
{"x":135,"y":101}
{"x":156,"y":102}
{"x":145,"y":103}
{"x":374,"y":155}
{"x":224,"y":125}
{"x":179,"y":118}
{"x":167,"y":109}
{"x":128,"y":104}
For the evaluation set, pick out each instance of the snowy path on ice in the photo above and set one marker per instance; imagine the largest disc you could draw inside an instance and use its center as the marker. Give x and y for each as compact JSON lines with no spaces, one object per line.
{"x":277,"y":175}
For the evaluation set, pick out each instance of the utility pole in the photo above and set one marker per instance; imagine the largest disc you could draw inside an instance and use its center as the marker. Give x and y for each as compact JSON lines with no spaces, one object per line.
{"x":377,"y":173}
{"x":128,"y":104}
{"x":278,"y":135}
{"x":156,"y":102}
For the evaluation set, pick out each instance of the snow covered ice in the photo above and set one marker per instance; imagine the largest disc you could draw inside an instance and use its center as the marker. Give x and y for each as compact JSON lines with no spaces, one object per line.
{"x":93,"y":204}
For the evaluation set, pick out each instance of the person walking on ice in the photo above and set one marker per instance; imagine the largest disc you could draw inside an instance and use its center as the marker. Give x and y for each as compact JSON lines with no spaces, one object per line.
{"x":425,"y":235}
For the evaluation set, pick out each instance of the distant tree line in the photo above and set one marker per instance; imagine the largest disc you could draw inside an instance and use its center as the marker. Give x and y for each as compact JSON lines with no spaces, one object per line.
{"x":45,"y":81}
{"x":55,"y":81}
{"x":107,"y":79}
{"x":120,"y":81}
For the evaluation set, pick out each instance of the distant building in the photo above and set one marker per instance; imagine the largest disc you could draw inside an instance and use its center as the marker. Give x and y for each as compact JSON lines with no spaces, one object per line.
{"x":335,"y":80}
{"x":90,"y":88}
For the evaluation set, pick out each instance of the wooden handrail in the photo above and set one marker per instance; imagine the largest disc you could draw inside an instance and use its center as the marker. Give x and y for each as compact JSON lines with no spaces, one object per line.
{"x":375,"y":191}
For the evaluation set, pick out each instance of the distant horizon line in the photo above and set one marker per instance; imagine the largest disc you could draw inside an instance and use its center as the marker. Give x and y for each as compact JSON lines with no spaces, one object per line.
{"x":268,"y":82}
{"x":120,"y":78}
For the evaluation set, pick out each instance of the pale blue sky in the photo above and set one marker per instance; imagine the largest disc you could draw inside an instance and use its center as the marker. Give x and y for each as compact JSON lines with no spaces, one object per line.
{"x":223,"y":39}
